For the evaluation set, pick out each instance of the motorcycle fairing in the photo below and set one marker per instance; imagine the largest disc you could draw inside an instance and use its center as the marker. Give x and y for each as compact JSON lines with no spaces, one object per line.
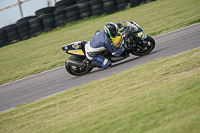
{"x":141,"y":35}
{"x":75,"y":48}
{"x":116,"y":59}
{"x":76,"y":52}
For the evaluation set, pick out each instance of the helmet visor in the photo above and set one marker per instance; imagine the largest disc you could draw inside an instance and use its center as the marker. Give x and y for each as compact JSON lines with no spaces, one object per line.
{"x":113,"y":33}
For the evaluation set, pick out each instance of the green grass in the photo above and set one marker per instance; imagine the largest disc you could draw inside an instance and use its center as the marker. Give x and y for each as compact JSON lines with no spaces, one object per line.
{"x":161,"y":96}
{"x":44,"y":52}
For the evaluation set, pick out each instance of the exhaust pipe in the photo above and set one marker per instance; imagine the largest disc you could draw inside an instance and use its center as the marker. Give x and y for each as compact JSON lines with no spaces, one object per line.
{"x":74,"y":63}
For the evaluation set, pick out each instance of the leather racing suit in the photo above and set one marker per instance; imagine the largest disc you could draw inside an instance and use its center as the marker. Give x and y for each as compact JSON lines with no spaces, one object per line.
{"x":99,"y":43}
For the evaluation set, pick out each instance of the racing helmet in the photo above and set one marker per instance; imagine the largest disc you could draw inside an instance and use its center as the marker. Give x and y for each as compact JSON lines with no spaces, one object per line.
{"x":111,"y":29}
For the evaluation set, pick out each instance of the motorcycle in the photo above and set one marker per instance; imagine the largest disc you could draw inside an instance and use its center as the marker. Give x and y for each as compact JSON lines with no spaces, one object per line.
{"x":130,"y":37}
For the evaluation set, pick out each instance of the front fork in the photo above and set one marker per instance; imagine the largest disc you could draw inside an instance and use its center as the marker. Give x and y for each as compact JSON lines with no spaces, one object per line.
{"x":137,"y":41}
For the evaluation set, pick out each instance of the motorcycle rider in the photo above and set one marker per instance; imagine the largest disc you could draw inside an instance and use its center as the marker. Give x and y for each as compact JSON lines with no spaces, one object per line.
{"x":100,"y":42}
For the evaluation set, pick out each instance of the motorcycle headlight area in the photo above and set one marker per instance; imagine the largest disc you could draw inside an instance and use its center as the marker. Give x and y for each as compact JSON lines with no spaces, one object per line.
{"x":141,"y":35}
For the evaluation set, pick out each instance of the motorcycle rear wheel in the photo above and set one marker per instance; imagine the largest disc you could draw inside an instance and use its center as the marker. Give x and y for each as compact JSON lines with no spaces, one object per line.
{"x":74,"y":70}
{"x":148,"y":46}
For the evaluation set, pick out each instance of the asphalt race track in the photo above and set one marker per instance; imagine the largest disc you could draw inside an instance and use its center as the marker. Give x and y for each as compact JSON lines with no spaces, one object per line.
{"x":47,"y":83}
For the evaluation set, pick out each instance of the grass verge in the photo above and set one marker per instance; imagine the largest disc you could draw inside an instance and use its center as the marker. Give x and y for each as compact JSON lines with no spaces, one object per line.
{"x":44,"y":52}
{"x":161,"y":96}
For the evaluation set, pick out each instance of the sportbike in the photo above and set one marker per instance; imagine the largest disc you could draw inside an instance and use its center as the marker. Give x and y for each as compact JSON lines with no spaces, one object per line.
{"x":130,"y":37}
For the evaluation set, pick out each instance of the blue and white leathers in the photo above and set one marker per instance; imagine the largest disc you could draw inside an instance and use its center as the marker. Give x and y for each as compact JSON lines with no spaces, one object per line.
{"x":99,"y":43}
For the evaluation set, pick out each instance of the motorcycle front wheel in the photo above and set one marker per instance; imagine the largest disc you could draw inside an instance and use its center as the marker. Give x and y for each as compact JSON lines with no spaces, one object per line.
{"x":74,"y":70}
{"x":147,"y":46}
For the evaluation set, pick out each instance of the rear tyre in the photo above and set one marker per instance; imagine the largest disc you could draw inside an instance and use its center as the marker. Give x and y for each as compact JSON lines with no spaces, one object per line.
{"x":147,"y":47}
{"x":74,"y":70}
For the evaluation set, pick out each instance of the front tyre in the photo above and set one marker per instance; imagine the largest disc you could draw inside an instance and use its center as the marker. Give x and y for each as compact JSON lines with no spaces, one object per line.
{"x":146,"y":47}
{"x":74,"y":70}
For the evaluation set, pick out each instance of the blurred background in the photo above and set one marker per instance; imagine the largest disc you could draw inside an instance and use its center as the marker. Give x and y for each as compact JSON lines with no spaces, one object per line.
{"x":9,"y":15}
{"x":23,"y":19}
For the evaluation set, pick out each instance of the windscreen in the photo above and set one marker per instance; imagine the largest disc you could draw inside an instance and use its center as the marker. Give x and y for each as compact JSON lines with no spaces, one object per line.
{"x":129,"y":26}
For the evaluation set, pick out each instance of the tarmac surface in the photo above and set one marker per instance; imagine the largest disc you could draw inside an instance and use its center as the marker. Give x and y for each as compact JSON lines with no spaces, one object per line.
{"x":57,"y":80}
